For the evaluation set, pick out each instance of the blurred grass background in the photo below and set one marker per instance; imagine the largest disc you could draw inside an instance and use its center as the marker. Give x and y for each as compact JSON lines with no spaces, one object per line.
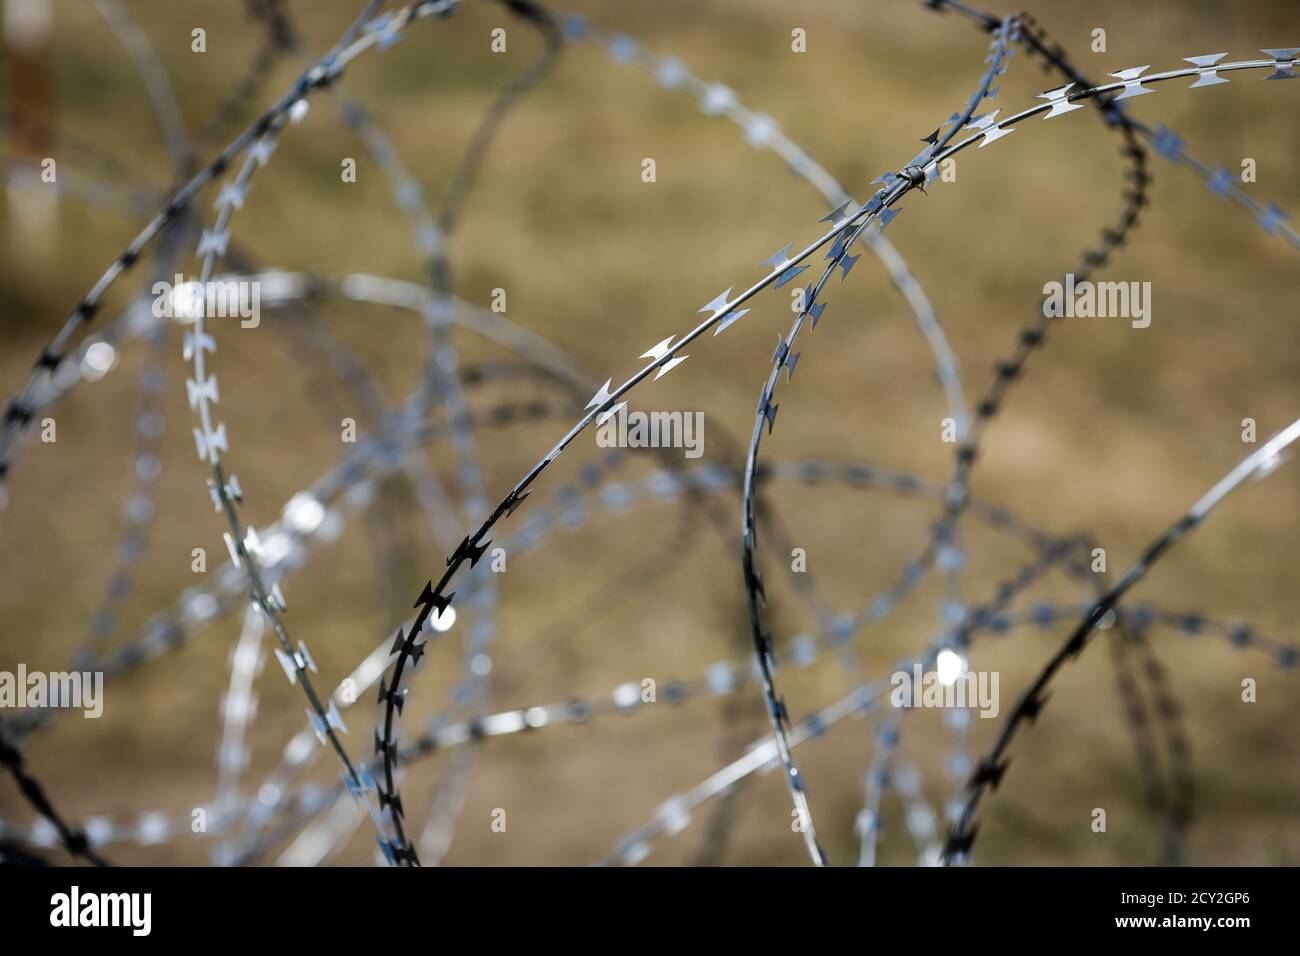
{"x":1114,"y":430}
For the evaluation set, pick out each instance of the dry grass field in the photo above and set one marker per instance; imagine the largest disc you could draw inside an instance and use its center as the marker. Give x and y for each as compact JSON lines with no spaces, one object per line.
{"x":1112,"y":431}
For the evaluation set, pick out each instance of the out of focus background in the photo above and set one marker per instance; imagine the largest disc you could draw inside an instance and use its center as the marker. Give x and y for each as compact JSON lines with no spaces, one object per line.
{"x":1112,"y":431}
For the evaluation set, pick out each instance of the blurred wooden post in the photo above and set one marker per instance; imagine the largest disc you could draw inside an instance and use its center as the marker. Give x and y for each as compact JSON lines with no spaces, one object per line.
{"x":33,"y":203}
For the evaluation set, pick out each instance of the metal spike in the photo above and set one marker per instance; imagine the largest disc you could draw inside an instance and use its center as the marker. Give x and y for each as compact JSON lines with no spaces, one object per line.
{"x":475,"y":553}
{"x":429,"y":598}
{"x":670,"y":73}
{"x":335,"y":719}
{"x":1033,"y":706}
{"x":717,"y":98}
{"x":354,"y":786}
{"x":729,"y":319}
{"x":1167,"y":143}
{"x":760,"y":129}
{"x":960,"y":843}
{"x":1132,"y":84}
{"x":1284,"y":63}
{"x":788,"y":275}
{"x":395,"y":697}
{"x":622,"y":49}
{"x":781,"y":349}
{"x":213,"y":242}
{"x":417,"y":652}
{"x":718,"y":304}
{"x":286,"y":662}
{"x":262,"y":150}
{"x":233,"y":549}
{"x":990,"y":773}
{"x":1272,"y":218}
{"x":193,"y":343}
{"x":231,"y":194}
{"x":669,"y":366}
{"x":600,"y":420}
{"x":1207,"y":75}
{"x":778,"y":258}
{"x":386,"y":849}
{"x":210,"y":444}
{"x":657,"y":352}
{"x":602,"y":395}
{"x":994,"y":133}
{"x":1059,"y":98}
{"x":387,"y":799}
{"x":317,"y":725}
{"x":790,"y":362}
{"x":1220,"y":182}
{"x":815,"y":312}
{"x":253,"y":543}
{"x":389,"y":37}
{"x":303,"y":658}
{"x":837,"y":214}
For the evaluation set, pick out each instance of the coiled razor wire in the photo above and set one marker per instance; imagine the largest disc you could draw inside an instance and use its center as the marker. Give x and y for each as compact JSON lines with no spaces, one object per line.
{"x":260,"y":561}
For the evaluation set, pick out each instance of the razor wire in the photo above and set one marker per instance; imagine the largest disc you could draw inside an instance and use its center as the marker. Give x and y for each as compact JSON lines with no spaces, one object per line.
{"x":991,"y":768}
{"x":440,"y":384}
{"x":1054,"y":58}
{"x":409,"y":425}
{"x":18,"y":414}
{"x":720,"y":679}
{"x":784,"y":358}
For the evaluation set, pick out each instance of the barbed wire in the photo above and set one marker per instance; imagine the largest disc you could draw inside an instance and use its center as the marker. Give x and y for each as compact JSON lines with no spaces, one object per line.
{"x":442,"y":410}
{"x":989,"y":772}
{"x":439,"y":385}
{"x":785,"y":358}
{"x":721,"y":679}
{"x":18,"y":414}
